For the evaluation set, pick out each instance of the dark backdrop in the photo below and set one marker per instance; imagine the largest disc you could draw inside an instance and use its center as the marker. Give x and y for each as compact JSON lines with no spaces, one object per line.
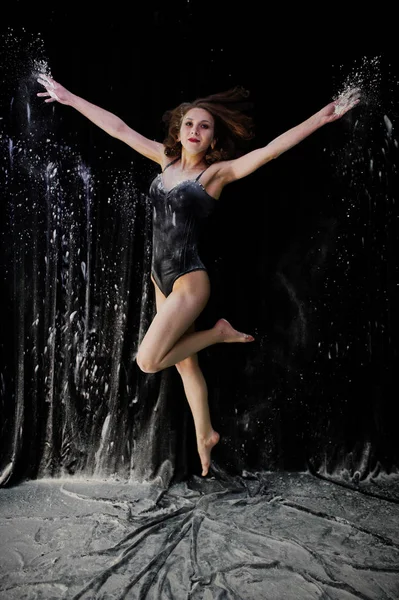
{"x":302,"y":253}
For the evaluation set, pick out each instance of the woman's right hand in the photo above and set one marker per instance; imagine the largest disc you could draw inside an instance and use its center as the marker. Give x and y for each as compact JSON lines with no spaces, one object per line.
{"x":55,"y":92}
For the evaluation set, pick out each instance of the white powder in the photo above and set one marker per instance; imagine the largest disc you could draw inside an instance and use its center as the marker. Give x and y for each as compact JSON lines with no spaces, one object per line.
{"x":346,"y":100}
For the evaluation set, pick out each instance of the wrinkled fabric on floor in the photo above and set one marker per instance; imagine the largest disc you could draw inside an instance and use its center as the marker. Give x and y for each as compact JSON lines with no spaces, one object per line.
{"x":270,"y":536}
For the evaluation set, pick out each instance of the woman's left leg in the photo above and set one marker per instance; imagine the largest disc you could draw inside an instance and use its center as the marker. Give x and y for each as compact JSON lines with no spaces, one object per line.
{"x":196,"y":392}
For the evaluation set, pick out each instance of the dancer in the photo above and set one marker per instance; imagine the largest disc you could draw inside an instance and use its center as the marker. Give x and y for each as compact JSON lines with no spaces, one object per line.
{"x":198,"y":158}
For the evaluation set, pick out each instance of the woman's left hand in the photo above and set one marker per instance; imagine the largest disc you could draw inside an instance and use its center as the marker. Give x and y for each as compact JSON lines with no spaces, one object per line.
{"x":339,"y":107}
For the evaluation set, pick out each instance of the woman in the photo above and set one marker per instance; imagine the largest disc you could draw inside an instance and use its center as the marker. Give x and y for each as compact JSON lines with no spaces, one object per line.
{"x":198,"y":159}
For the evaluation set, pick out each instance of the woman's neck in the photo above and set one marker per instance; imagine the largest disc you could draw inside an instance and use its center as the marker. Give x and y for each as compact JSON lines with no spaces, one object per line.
{"x":192,"y":163}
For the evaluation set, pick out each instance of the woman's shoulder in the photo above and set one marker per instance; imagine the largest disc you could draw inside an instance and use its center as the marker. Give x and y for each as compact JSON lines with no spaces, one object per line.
{"x":220,"y":170}
{"x":166,"y":159}
{"x":217,"y":168}
{"x":214,"y":178}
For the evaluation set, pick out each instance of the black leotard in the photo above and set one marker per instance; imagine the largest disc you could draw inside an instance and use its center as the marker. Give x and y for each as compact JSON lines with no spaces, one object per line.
{"x":177,"y":217}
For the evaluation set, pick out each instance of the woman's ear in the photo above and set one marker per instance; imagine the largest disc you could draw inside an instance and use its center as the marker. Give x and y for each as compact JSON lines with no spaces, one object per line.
{"x":213,"y":143}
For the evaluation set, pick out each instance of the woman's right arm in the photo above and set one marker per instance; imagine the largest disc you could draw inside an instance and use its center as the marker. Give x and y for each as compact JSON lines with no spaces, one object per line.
{"x":104,"y":119}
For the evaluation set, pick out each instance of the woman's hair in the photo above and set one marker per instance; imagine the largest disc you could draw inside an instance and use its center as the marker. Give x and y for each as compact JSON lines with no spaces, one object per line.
{"x":232,"y":126}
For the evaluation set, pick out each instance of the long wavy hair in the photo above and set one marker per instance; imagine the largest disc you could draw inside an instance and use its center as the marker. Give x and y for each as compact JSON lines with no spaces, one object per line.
{"x":232,"y":126}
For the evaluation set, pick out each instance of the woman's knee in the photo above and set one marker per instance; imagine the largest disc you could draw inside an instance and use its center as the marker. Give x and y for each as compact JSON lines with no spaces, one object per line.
{"x":145,"y":363}
{"x":185,"y":367}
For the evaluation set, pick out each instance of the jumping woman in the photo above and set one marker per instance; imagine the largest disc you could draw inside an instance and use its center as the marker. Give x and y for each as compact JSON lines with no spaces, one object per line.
{"x":198,"y":158}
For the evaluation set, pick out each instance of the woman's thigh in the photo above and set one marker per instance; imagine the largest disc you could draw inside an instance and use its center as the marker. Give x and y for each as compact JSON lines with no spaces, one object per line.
{"x":175,"y":318}
{"x":175,"y":315}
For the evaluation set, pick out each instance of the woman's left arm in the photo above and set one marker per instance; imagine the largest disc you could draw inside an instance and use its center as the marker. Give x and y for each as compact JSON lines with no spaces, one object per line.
{"x":247,"y":164}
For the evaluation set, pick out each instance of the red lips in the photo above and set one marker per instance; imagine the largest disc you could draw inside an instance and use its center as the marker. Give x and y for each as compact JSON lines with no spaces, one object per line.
{"x":193,"y":140}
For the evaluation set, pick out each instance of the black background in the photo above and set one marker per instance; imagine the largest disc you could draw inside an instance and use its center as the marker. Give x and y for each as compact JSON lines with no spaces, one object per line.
{"x":139,"y":59}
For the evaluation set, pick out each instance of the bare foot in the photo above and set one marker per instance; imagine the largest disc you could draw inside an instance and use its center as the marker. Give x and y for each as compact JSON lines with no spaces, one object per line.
{"x":204,"y":446}
{"x":229,"y":334}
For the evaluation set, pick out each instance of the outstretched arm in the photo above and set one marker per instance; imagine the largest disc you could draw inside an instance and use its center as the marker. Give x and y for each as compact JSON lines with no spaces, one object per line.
{"x":104,"y":119}
{"x":247,"y":164}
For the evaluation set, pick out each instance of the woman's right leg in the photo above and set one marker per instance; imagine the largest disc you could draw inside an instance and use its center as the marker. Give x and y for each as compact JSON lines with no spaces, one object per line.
{"x":196,"y":392}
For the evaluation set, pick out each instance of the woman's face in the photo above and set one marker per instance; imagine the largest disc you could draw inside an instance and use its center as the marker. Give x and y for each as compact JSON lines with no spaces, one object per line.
{"x":197,"y":130}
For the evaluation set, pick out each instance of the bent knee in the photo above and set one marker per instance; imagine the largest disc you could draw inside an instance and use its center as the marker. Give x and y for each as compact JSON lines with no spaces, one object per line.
{"x":146,"y":365}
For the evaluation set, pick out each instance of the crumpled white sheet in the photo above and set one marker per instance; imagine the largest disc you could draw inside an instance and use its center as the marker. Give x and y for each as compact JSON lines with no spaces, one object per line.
{"x":272,"y":536}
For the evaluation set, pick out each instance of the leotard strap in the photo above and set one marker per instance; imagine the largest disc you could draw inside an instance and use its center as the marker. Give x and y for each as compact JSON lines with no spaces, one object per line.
{"x":197,"y":178}
{"x":171,"y":163}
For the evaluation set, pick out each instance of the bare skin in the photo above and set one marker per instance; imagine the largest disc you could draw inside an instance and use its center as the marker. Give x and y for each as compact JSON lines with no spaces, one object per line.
{"x":171,"y":338}
{"x":196,"y":392}
{"x":164,"y":345}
